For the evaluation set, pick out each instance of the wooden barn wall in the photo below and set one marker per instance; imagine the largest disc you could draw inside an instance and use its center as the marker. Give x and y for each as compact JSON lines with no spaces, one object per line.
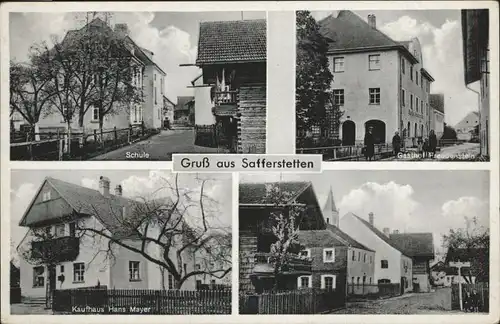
{"x":252,"y":123}
{"x":248,"y":248}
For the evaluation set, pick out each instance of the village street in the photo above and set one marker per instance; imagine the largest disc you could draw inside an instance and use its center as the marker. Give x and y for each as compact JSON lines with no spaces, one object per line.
{"x":159,"y":147}
{"x":412,"y":303}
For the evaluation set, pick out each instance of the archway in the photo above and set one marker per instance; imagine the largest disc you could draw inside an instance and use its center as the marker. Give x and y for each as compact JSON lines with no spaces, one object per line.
{"x":378,"y":130}
{"x":348,"y":132}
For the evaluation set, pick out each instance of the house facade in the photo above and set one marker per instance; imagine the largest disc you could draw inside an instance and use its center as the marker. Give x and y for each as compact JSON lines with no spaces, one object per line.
{"x":378,"y":82}
{"x":68,"y":255}
{"x":147,"y":76}
{"x":391,"y":264}
{"x":232,"y":56}
{"x":436,"y":101}
{"x":476,"y":54}
{"x":465,"y":128}
{"x":256,"y":271}
{"x":203,"y":113}
{"x":168,"y":109}
{"x":420,"y":247}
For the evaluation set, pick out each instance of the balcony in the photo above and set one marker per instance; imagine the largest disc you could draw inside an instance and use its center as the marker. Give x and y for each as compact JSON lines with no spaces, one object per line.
{"x":59,"y":249}
{"x":225,"y":103}
{"x":296,"y":265}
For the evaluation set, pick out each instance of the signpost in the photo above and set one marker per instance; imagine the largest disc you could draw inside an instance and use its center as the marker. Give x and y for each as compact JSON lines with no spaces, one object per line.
{"x":460,"y":265}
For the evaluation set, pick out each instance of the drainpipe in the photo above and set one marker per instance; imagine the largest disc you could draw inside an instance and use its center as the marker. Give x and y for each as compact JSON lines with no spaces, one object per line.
{"x":479,"y":111}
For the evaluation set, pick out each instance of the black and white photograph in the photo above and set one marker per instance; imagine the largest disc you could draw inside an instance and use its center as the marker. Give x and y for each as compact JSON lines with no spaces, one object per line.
{"x":386,"y":85}
{"x":136,"y":85}
{"x":364,"y":242}
{"x":120,"y":242}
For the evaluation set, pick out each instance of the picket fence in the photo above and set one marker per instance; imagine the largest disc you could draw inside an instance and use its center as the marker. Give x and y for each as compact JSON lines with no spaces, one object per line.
{"x":303,"y":301}
{"x":482,"y":290}
{"x":128,"y":301}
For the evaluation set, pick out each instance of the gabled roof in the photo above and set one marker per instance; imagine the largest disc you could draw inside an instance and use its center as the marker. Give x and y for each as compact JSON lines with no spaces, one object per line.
{"x":349,"y":32}
{"x":345,"y":237}
{"x":319,"y":238}
{"x":255,"y":193}
{"x":381,"y":235}
{"x":239,"y":41}
{"x":415,"y":244}
{"x":436,"y":100}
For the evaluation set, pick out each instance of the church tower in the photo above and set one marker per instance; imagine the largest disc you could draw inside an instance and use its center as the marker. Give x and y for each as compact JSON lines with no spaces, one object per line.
{"x":330,"y":211}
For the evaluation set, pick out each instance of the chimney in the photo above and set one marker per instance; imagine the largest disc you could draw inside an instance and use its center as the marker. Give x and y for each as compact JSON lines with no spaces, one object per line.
{"x":121,"y":30}
{"x":387,"y":231}
{"x":118,"y":190}
{"x":372,"y":21}
{"x":104,"y":186}
{"x":395,"y":232}
{"x":371,"y":219}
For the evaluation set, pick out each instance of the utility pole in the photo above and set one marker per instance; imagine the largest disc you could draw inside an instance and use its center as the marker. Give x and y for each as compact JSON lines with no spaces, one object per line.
{"x":459,"y":265}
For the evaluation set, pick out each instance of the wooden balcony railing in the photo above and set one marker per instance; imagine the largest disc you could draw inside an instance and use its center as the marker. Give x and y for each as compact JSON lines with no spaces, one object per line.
{"x":264,"y":263}
{"x":229,"y":97}
{"x":59,"y":249}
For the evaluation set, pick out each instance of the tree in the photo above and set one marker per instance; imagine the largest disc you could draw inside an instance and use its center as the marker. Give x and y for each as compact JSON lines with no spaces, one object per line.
{"x":29,"y":92}
{"x":313,"y":76}
{"x":284,"y":225}
{"x":470,"y":244}
{"x":164,"y":232}
{"x":449,"y":133}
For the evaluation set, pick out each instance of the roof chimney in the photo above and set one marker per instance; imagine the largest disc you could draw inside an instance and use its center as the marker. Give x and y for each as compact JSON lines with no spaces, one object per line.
{"x":371,"y":219}
{"x":104,"y":186}
{"x":372,"y":21}
{"x":118,"y":190}
{"x":387,"y":231}
{"x":121,"y":30}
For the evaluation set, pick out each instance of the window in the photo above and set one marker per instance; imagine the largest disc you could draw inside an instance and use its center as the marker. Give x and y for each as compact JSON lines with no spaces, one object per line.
{"x":353,"y":255}
{"x":328,"y":255}
{"x":364,"y":257}
{"x":46,"y":196}
{"x":357,"y":280}
{"x":133,"y":271}
{"x":416,"y":104}
{"x":328,"y":220}
{"x":352,"y":279}
{"x":155,"y":97}
{"x":364,"y":279}
{"x":427,"y":108}
{"x":411,"y":72}
{"x":384,"y":264}
{"x":371,"y":259}
{"x":338,"y":96}
{"x":155,"y":76}
{"x":61,"y":268}
{"x":59,"y":230}
{"x":374,"y":96}
{"x":403,"y":97}
{"x":72,"y":229}
{"x":306,"y":253}
{"x":403,"y":65}
{"x":95,"y":113}
{"x":359,"y":256}
{"x":411,"y":101}
{"x":38,"y":277}
{"x":212,"y":282}
{"x":161,"y":85}
{"x":328,"y":282}
{"x":304,"y":282}
{"x":324,"y":132}
{"x":374,"y":62}
{"x":79,"y":272}
{"x":316,"y":130}
{"x":370,"y":280}
{"x":338,"y":64}
{"x":422,"y":80}
{"x":416,"y":77}
{"x":198,"y":284}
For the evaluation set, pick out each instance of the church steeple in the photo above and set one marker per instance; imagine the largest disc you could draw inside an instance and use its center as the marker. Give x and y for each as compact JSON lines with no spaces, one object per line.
{"x":330,"y":211}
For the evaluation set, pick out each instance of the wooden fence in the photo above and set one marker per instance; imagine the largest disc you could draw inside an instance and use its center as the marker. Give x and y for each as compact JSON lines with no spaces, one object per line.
{"x":482,"y":299}
{"x":141,"y":301}
{"x":303,"y":301}
{"x":347,"y":152}
{"x":373,"y":290}
{"x":57,"y":147}
{"x":205,"y":136}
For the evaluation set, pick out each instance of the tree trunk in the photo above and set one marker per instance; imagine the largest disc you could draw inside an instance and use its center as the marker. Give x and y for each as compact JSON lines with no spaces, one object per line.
{"x":68,"y":130}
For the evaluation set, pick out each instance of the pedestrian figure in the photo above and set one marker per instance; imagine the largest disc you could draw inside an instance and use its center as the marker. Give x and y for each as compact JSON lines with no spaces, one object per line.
{"x":396,"y":143}
{"x":426,"y":148}
{"x":475,"y":301}
{"x":420,"y":146}
{"x":432,"y":143}
{"x":369,"y":144}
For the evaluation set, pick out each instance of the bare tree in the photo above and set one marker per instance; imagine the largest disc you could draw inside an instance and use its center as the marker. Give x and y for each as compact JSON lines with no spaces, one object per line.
{"x":285,"y":219}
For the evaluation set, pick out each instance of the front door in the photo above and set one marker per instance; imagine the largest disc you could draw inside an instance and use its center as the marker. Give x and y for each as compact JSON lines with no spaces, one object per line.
{"x":51,"y":285}
{"x":403,"y":285}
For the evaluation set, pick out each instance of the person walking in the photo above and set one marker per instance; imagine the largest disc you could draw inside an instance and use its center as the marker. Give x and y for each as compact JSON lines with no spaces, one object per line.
{"x":369,"y":143}
{"x":432,"y":143}
{"x":420,"y":146}
{"x":396,"y":144}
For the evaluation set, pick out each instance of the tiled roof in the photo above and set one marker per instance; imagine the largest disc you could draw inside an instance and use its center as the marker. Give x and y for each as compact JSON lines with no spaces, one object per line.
{"x":381,"y":235}
{"x":344,"y":236}
{"x":415,"y":244}
{"x":319,"y":238}
{"x":349,"y":31}
{"x":255,"y":193}
{"x":232,"y":42}
{"x":182,"y":102}
{"x":436,"y":100}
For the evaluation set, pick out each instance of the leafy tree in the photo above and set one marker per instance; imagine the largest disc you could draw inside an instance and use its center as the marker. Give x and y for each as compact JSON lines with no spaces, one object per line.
{"x":449,"y":133}
{"x":284,"y":225}
{"x":313,"y":76}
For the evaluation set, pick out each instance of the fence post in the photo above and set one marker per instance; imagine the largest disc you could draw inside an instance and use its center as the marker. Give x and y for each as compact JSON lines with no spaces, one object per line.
{"x":115,"y":134}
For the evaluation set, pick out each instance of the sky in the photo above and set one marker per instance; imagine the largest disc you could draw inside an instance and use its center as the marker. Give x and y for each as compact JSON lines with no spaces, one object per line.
{"x":143,"y":184}
{"x":439,"y":32}
{"x":409,"y":201}
{"x":171,"y":36}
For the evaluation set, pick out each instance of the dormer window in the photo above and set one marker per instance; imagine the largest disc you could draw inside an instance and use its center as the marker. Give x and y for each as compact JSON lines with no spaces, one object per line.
{"x":306,"y":253}
{"x":46,"y":196}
